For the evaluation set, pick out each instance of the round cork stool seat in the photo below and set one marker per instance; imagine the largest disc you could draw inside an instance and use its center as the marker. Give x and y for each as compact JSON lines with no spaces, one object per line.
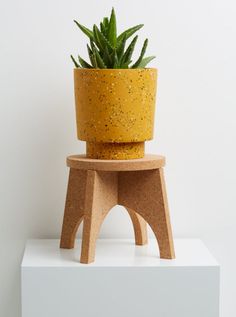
{"x":147,"y":163}
{"x":95,"y":186}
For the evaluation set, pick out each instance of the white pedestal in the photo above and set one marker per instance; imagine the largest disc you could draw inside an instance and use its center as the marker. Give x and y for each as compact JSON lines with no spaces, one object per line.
{"x":124,"y":281}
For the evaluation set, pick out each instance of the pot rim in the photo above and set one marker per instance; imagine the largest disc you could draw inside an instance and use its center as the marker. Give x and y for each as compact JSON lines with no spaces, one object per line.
{"x":115,"y":69}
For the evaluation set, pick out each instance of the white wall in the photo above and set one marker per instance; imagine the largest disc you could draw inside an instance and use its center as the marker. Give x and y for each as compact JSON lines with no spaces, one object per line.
{"x":195,"y":122}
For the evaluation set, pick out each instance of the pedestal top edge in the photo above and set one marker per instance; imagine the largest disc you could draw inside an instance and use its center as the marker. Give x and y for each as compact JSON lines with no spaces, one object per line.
{"x":117,"y":253}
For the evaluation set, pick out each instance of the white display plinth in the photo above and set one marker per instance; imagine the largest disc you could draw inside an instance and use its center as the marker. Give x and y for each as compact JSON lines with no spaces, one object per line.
{"x":124,"y":281}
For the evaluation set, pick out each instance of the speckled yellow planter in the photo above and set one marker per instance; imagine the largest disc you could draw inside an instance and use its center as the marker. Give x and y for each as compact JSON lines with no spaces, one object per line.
{"x":115,"y":111}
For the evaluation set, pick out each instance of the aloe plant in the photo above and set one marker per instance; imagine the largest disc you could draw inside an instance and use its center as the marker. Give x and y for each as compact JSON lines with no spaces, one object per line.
{"x":107,"y":50}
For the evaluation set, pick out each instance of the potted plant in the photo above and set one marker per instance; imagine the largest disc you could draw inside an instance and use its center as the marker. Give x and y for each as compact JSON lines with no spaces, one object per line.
{"x":115,"y":98}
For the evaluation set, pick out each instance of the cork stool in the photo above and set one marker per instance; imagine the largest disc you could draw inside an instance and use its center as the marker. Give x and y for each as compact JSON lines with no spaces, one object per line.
{"x":95,"y":186}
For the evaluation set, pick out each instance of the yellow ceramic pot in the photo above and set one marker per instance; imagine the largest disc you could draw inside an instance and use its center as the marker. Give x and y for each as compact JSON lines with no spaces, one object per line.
{"x":115,"y":110}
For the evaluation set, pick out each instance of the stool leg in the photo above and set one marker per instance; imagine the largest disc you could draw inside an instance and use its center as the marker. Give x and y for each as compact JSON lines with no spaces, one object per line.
{"x":144,"y":192}
{"x":140,"y":227}
{"x":74,"y":207}
{"x":101,"y":196}
{"x":162,"y":227}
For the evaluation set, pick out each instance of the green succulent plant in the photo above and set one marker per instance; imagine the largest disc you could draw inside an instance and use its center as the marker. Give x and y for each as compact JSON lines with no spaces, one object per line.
{"x":107,"y":50}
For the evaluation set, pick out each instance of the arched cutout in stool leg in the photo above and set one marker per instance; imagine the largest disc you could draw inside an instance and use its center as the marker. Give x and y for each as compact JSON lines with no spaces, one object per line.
{"x":140,"y":227}
{"x":74,"y":207}
{"x":145,"y":193}
{"x":161,"y":232}
{"x":100,"y":197}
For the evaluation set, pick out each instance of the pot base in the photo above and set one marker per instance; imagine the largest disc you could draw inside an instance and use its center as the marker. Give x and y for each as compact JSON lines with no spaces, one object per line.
{"x":115,"y":151}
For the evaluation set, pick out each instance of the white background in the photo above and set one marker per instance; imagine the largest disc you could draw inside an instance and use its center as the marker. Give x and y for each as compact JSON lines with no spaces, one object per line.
{"x":195,"y":123}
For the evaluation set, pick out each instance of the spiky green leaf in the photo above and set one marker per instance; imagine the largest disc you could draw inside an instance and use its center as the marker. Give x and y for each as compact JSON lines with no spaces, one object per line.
{"x":96,"y":38}
{"x":129,"y":51}
{"x":85,"y":30}
{"x":145,"y":61}
{"x":136,"y":65}
{"x":115,"y":60}
{"x":90,"y":54}
{"x":105,"y":23}
{"x":102,"y":28}
{"x":99,"y":61}
{"x":94,"y":61}
{"x":112,"y":29}
{"x":93,"y":46}
{"x":121,"y":48}
{"x":100,"y":39}
{"x":83,"y":63}
{"x":129,"y":32}
{"x":74,"y":61}
{"x":106,"y":58}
